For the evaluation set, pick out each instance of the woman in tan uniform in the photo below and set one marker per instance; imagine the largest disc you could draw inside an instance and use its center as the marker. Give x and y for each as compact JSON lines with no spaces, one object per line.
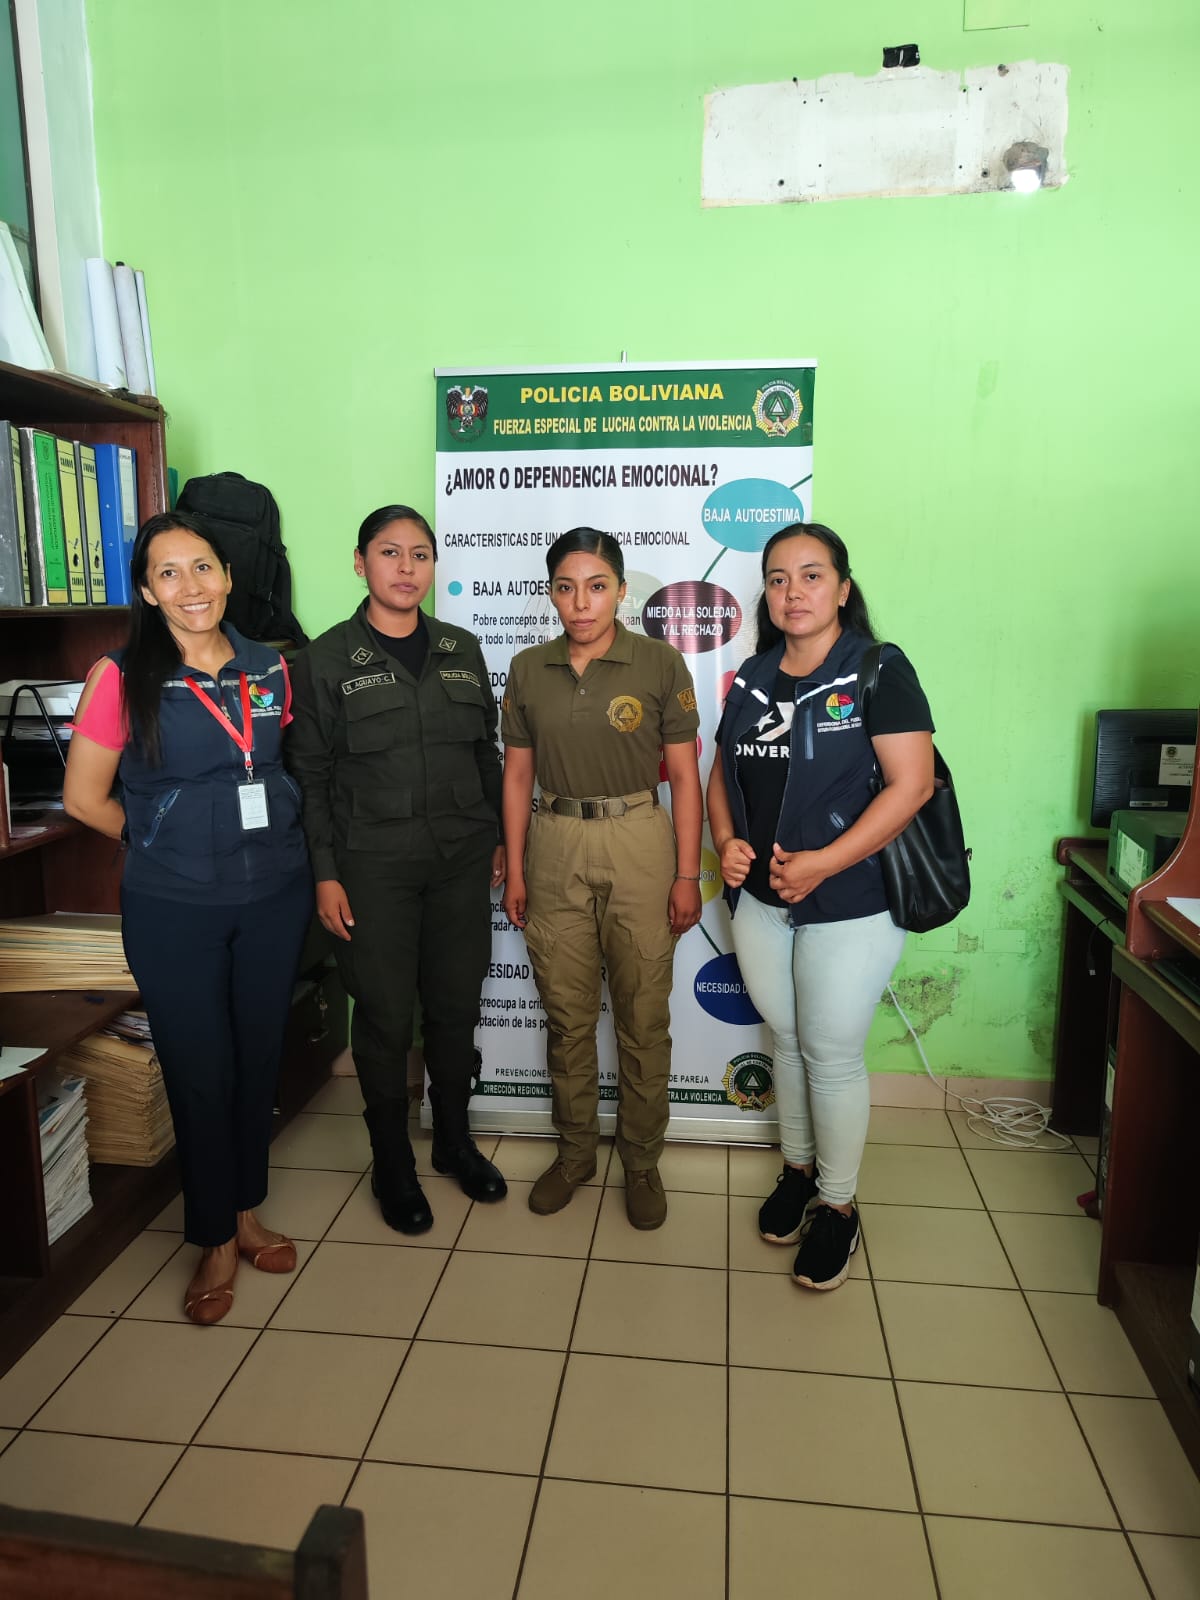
{"x":597,"y":875}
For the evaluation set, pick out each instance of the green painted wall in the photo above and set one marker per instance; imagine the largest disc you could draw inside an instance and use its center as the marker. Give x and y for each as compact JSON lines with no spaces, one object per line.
{"x":330,"y":200}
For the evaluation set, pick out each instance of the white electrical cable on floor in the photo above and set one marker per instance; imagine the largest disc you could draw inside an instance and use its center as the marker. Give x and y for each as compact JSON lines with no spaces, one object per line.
{"x":1006,"y":1120}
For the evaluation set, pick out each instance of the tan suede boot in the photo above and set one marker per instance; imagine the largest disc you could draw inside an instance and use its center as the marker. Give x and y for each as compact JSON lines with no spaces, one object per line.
{"x":645,"y":1202}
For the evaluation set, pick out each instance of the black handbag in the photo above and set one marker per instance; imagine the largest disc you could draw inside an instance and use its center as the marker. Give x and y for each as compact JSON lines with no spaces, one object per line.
{"x":926,"y":869}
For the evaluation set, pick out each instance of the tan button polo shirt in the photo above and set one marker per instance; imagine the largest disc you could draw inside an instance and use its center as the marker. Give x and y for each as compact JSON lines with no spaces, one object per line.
{"x":599,"y":734}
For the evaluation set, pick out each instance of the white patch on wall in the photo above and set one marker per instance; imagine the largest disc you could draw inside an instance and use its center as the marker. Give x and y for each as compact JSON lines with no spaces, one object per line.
{"x":905,"y":131}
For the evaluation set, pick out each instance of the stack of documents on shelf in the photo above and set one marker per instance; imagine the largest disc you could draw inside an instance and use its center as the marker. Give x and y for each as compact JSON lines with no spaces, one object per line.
{"x":34,"y":719}
{"x":129,"y":1121}
{"x":62,"y":1121}
{"x":57,"y":697}
{"x":65,"y":950}
{"x":133,"y":1025}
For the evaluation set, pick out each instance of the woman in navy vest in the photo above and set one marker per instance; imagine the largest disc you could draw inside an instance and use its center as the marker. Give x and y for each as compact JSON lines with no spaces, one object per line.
{"x":216,"y":893}
{"x":797,"y":823}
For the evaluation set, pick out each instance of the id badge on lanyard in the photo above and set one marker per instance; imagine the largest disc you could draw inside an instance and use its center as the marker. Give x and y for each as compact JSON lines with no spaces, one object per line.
{"x":252,"y":795}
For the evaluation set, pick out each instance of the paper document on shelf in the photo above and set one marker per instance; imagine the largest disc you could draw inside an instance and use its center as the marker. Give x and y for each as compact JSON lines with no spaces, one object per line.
{"x":1186,"y":908}
{"x":22,"y":341}
{"x":15,"y":1058}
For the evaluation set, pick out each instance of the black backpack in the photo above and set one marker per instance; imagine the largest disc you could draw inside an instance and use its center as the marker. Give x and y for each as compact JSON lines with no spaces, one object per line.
{"x":244,"y":517}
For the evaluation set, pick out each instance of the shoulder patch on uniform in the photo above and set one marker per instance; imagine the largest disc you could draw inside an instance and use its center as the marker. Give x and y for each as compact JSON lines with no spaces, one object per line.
{"x":362,"y":655}
{"x":687,"y":699}
{"x":447,"y":643}
{"x":373,"y":680}
{"x":506,"y":703}
{"x":457,"y":675}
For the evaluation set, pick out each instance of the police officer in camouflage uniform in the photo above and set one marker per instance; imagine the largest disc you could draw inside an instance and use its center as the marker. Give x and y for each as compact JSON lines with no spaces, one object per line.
{"x":394,"y":747}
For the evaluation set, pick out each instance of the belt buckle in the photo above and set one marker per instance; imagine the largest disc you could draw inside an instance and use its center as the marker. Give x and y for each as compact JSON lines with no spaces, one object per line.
{"x":591,"y":810}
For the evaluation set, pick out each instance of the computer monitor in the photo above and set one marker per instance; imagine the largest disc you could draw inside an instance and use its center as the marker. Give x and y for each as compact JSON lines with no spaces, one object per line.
{"x":1144,"y":760}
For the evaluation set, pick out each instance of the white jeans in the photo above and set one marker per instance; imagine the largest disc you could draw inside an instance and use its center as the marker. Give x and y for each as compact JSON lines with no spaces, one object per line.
{"x":816,"y":988}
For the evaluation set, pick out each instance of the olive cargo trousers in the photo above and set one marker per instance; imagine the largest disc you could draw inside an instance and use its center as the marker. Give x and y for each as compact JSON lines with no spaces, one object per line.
{"x":597,"y":896}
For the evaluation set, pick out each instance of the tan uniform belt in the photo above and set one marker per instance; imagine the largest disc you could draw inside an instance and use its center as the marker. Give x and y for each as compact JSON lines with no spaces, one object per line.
{"x":595,"y":806}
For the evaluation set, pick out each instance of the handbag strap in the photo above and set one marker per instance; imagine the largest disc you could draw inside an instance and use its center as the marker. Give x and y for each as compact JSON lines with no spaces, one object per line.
{"x":868,"y":679}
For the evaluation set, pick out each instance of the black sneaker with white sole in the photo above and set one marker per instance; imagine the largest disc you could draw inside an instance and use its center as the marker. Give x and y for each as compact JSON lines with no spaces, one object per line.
{"x":823,"y":1260}
{"x":781,"y":1215}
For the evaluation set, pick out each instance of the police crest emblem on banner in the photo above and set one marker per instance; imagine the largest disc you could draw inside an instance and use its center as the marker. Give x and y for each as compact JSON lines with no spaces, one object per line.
{"x":466,"y":410}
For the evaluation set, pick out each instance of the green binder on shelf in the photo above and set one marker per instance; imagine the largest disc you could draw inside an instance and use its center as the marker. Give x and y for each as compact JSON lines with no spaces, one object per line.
{"x":43,"y":518}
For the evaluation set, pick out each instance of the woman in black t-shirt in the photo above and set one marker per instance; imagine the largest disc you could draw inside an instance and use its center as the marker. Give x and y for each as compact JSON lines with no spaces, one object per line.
{"x":797,"y":825}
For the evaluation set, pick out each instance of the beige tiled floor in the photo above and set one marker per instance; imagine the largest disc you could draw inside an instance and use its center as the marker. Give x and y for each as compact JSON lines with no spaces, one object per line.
{"x":526,"y":1407}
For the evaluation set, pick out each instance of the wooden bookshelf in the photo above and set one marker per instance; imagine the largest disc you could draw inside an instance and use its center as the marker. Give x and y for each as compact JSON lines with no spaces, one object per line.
{"x":64,"y":867}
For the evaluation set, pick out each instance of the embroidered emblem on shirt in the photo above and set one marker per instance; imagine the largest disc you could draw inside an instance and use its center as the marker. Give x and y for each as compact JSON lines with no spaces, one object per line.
{"x":374,"y":680}
{"x":457,"y":675}
{"x":506,"y":703}
{"x":261,"y":698}
{"x":687,"y":699}
{"x":625,"y":713}
{"x":447,"y":644}
{"x":839,"y":706}
{"x":361,"y":655}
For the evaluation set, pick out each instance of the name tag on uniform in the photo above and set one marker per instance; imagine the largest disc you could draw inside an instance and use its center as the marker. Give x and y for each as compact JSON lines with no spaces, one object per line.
{"x":252,"y":804}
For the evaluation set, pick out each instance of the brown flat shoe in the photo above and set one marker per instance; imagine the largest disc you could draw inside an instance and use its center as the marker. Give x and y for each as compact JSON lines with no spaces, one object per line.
{"x":210,"y":1305}
{"x":280,"y":1257}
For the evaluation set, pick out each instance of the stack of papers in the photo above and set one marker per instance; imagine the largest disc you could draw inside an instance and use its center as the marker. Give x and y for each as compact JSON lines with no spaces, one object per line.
{"x":65,"y":950}
{"x":129,"y":1121}
{"x":62,"y":1121}
{"x":133,"y":1025}
{"x":57,"y":698}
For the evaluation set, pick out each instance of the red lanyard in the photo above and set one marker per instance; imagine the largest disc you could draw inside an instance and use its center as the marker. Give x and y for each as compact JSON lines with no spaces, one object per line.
{"x":244,"y":737}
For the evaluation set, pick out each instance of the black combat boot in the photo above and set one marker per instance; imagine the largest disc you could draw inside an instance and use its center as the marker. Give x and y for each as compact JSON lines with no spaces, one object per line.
{"x":394,"y":1181}
{"x":454,"y":1150}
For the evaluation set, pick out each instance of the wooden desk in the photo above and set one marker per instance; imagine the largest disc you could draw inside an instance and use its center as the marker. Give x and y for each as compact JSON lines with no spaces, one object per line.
{"x":1114,"y":988}
{"x":1151,"y":1223}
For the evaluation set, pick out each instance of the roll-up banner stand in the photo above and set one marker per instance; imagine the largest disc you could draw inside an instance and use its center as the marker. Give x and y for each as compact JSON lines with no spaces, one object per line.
{"x":691,"y":466}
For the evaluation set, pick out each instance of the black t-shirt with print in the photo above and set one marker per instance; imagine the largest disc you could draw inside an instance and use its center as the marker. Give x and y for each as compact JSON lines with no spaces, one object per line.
{"x":897,"y":706}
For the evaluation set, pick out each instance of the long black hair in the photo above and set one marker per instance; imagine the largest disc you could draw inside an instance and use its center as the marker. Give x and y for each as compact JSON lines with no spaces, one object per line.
{"x":853,"y":614}
{"x":592,"y":543}
{"x":152,"y":653}
{"x":379,"y":520}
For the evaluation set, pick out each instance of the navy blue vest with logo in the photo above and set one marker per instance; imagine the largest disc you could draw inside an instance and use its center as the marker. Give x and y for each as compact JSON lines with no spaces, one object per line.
{"x":185,"y":835}
{"x":831,"y":766}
